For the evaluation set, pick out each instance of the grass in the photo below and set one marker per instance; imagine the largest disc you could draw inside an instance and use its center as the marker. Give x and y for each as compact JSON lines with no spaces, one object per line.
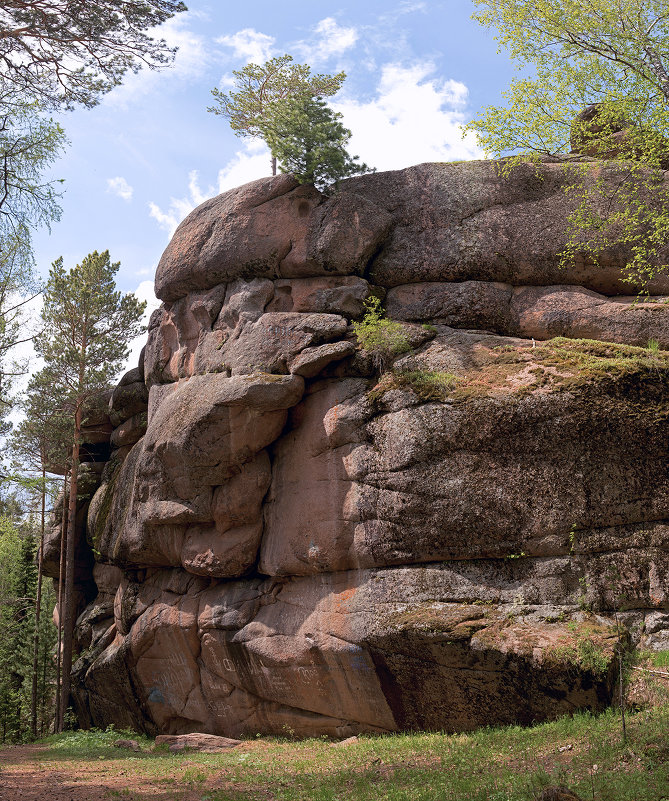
{"x":516,"y":371}
{"x":658,"y":659}
{"x":509,"y":764}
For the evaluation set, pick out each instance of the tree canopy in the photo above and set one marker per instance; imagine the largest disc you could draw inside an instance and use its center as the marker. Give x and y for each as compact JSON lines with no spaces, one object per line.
{"x":610,"y":52}
{"x":594,"y":79}
{"x":309,"y":141}
{"x":67,"y":52}
{"x":87,"y":327}
{"x":262,"y":91}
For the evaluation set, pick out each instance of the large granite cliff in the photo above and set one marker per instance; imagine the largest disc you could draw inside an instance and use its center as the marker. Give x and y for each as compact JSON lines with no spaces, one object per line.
{"x":280,"y":540}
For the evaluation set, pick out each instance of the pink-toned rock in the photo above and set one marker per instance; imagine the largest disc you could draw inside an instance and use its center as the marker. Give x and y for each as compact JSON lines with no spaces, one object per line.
{"x":130,"y":431}
{"x":334,"y":295}
{"x":229,"y":547}
{"x":569,"y":311}
{"x":205,"y":743}
{"x":270,"y":228}
{"x":466,"y":221}
{"x":127,"y":400}
{"x":311,"y":361}
{"x":467,"y":304}
{"x":333,"y":552}
{"x":201,"y":433}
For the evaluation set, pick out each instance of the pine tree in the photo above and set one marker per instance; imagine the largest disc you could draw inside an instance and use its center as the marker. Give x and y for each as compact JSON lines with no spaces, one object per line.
{"x":87,"y":327}
{"x":264,"y":89}
{"x":309,"y":141}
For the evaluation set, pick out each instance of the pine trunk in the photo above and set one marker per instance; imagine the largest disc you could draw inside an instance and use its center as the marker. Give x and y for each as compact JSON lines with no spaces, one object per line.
{"x":273,"y":165}
{"x":38,"y":604}
{"x":68,"y":621}
{"x":57,"y":726}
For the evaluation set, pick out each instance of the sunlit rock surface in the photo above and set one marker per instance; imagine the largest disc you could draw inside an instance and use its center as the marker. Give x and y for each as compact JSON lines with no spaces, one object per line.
{"x":280,"y":540}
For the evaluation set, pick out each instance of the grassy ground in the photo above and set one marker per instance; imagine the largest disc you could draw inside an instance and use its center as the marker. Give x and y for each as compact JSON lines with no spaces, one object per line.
{"x":585,"y":753}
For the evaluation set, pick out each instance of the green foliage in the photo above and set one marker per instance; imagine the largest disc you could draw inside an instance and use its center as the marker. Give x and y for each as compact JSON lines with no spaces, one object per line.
{"x":92,"y":742}
{"x":309,"y":142}
{"x":502,"y":764}
{"x":40,"y":441}
{"x":381,"y":338}
{"x":610,"y":57}
{"x":428,"y":385}
{"x":63,"y":52}
{"x":584,"y":654}
{"x":29,"y":143}
{"x":262,"y":89}
{"x":612,"y":52}
{"x":87,"y":326}
{"x":18,"y":582}
{"x":659,"y":658}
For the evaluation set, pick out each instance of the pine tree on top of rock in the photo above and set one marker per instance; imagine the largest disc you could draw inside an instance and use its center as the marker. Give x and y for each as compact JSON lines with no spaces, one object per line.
{"x":309,"y":141}
{"x":263,"y":89}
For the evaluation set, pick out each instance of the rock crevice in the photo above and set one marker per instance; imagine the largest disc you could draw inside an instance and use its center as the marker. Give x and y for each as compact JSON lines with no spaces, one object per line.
{"x":286,"y":540}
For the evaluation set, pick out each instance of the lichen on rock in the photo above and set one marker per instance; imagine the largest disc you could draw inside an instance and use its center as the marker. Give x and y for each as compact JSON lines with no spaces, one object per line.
{"x":284,"y":538}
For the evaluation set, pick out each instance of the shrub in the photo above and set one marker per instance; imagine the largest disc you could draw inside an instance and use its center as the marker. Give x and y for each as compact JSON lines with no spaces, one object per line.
{"x":381,"y":338}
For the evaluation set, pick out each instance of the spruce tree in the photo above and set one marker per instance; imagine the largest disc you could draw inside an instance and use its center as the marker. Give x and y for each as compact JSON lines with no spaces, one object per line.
{"x":87,"y":327}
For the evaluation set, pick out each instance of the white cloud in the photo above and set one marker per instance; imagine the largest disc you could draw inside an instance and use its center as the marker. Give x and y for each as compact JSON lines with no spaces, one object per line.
{"x":180,"y":207}
{"x":119,"y":186}
{"x":414,"y":118}
{"x":190,"y":64}
{"x":249,"y":44}
{"x":246,"y":165}
{"x":332,"y":39}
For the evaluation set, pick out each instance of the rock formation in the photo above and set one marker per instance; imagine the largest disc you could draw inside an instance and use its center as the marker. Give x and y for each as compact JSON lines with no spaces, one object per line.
{"x":282,"y":540}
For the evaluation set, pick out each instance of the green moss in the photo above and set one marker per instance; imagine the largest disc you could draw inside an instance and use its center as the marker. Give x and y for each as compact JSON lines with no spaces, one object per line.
{"x":585,"y":647}
{"x":429,"y":385}
{"x":555,"y":365}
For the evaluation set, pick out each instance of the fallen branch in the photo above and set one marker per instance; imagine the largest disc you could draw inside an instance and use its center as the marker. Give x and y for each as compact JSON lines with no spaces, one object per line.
{"x":654,"y":672}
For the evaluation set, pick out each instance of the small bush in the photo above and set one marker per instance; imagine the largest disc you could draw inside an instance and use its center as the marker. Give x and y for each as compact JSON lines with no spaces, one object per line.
{"x":381,"y":338}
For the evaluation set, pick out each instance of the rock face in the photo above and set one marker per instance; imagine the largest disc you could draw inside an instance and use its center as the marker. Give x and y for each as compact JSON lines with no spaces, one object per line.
{"x":285,"y":541}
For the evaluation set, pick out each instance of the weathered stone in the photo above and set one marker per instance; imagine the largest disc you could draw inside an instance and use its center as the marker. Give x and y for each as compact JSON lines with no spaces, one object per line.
{"x":229,"y":547}
{"x":311,"y":361}
{"x":298,"y":542}
{"x":568,"y":311}
{"x":205,"y":743}
{"x":343,"y":295}
{"x":466,"y":221}
{"x":130,"y":431}
{"x":271,"y":342}
{"x":201,"y":433}
{"x":270,"y":228}
{"x":127,"y":400}
{"x":130,"y":745}
{"x":468,"y":304}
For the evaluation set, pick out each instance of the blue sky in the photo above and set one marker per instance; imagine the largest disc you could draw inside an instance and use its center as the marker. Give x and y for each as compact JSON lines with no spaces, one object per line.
{"x":150,"y":152}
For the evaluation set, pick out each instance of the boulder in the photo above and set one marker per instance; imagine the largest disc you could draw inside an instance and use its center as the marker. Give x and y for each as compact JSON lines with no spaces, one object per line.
{"x":126,"y":401}
{"x":205,"y":743}
{"x":284,"y":539}
{"x":270,"y":228}
{"x":569,"y":311}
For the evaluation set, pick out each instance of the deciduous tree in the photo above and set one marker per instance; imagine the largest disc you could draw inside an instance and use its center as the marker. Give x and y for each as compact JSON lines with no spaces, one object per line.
{"x":67,"y":52}
{"x":610,"y":57}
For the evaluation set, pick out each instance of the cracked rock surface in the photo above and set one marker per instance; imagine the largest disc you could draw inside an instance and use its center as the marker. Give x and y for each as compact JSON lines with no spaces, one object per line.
{"x":272,"y":537}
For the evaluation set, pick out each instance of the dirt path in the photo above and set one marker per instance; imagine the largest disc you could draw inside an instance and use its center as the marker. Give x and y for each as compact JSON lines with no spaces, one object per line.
{"x":27,"y":773}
